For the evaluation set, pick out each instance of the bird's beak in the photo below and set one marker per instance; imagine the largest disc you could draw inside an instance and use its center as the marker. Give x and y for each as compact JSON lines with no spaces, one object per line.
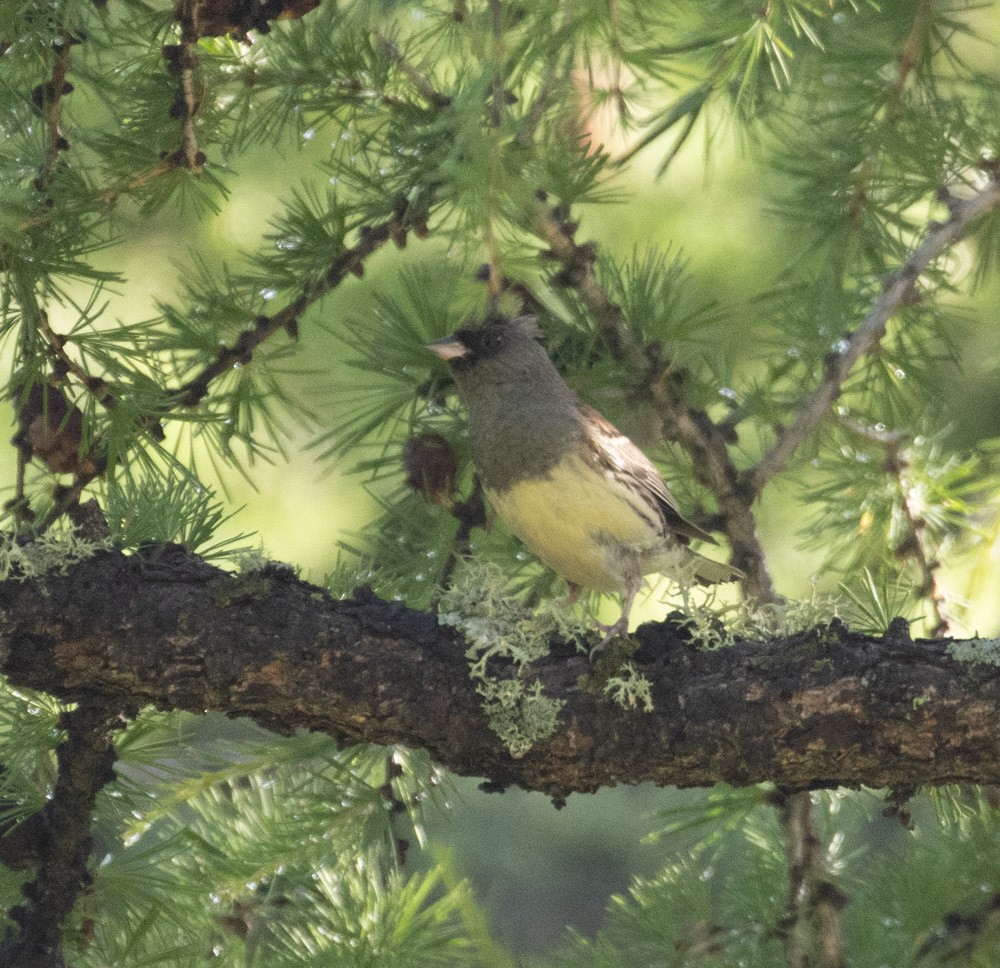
{"x":447,"y":348}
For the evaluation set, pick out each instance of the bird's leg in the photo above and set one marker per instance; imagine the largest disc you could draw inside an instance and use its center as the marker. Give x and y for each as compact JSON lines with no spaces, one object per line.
{"x":574,"y":594}
{"x":621,"y":626}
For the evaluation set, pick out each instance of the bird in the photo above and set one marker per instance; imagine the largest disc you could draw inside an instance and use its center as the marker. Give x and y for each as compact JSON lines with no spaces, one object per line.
{"x":572,"y":487}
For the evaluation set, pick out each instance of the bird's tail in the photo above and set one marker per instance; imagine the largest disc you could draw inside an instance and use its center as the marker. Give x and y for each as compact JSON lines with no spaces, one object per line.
{"x":682,"y":564}
{"x":708,"y":572}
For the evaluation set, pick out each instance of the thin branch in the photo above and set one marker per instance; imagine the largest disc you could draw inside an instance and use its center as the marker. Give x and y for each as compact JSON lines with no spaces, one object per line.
{"x":50,"y":95}
{"x":85,"y":467}
{"x":797,"y":822}
{"x":813,"y":920}
{"x":494,"y":279}
{"x":554,"y":227}
{"x":108,"y":196}
{"x":62,"y":840}
{"x":66,"y":497}
{"x":19,"y":505}
{"x":494,"y":267}
{"x":914,"y":545}
{"x":959,"y":935}
{"x":470,"y":513}
{"x":420,"y":83}
{"x":859,"y":190}
{"x":191,"y":393}
{"x":706,"y":443}
{"x":187,"y":104}
{"x":543,"y":97}
{"x":350,"y":262}
{"x":496,"y":34}
{"x":95,"y":386}
{"x":910,"y":55}
{"x":898,"y":287}
{"x":531,"y":305}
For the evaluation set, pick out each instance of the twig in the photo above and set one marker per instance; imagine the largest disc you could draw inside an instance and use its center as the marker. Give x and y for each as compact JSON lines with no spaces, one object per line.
{"x":813,"y":909}
{"x":798,"y":824}
{"x":706,"y":444}
{"x":427,"y":90}
{"x":530,"y":303}
{"x":63,"y":840}
{"x":470,"y":513}
{"x":908,"y":60}
{"x":494,"y":267}
{"x":910,"y":55}
{"x":960,"y":934}
{"x":67,"y":497}
{"x":351,"y":262}
{"x":495,"y":275}
{"x":94,"y":385}
{"x":89,"y":466}
{"x":914,"y":543}
{"x":496,"y":32}
{"x":18,"y":505}
{"x":50,"y":96}
{"x":529,"y":127}
{"x":191,"y":393}
{"x":555,"y":228}
{"x":108,"y":196}
{"x":187,"y":104}
{"x":897,"y":289}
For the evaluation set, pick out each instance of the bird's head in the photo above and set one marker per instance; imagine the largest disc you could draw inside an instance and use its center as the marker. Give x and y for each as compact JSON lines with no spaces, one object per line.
{"x":494,"y":343}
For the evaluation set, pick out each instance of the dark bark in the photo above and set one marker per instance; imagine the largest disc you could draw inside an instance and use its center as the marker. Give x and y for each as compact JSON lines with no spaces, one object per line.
{"x":823,"y":708}
{"x":58,"y":840}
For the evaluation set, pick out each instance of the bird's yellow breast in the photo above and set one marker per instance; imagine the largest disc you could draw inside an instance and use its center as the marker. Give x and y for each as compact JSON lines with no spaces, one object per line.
{"x":582,"y":523}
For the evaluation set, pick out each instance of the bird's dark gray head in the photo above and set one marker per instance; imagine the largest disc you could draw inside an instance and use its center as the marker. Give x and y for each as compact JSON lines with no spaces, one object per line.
{"x":493,"y":344}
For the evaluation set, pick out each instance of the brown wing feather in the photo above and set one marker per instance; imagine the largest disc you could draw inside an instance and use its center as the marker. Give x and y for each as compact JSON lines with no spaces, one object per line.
{"x":611,"y":450}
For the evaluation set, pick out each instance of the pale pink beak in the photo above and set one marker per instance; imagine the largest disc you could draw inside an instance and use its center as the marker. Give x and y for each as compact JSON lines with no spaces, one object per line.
{"x":447,"y":348}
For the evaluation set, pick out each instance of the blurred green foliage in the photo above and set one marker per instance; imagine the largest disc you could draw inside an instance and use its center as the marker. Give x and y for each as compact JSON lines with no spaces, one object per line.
{"x":749,"y":174}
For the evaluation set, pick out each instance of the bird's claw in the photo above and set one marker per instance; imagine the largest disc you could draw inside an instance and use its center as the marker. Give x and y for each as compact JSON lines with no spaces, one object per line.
{"x":610,"y":632}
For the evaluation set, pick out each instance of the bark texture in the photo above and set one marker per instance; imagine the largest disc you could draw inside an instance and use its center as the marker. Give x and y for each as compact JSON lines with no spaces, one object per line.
{"x":824,"y":708}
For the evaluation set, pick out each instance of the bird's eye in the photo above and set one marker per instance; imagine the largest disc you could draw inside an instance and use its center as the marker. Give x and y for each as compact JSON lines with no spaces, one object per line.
{"x":492,"y":341}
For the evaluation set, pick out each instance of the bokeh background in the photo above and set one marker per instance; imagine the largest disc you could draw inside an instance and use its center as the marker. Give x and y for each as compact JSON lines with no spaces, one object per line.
{"x":535,"y":869}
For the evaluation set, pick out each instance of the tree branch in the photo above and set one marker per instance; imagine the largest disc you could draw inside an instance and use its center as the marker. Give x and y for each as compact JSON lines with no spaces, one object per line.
{"x":898,"y":287}
{"x":49,"y":98}
{"x":813,"y":918}
{"x":913,"y":545}
{"x":557,"y":231}
{"x":822,"y":708}
{"x":190,"y":394}
{"x":60,"y":839}
{"x":186,"y":105}
{"x":350,"y":262}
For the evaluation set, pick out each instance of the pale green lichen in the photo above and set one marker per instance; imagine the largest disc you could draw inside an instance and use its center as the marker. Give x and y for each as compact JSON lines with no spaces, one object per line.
{"x":251,"y":561}
{"x":521,"y":716}
{"x":630,"y":689}
{"x":498,"y":626}
{"x":714,"y":625}
{"x":51,"y":553}
{"x":976,"y":651}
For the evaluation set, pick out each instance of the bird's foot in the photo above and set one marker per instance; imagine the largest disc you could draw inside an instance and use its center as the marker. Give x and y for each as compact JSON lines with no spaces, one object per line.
{"x":610,"y":632}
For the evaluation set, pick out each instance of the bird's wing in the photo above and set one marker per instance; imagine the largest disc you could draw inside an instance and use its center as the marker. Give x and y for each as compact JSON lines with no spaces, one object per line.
{"x":609,"y":449}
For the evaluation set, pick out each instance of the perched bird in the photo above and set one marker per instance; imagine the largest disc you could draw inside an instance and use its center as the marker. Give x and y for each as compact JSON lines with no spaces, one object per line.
{"x":565,"y":481}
